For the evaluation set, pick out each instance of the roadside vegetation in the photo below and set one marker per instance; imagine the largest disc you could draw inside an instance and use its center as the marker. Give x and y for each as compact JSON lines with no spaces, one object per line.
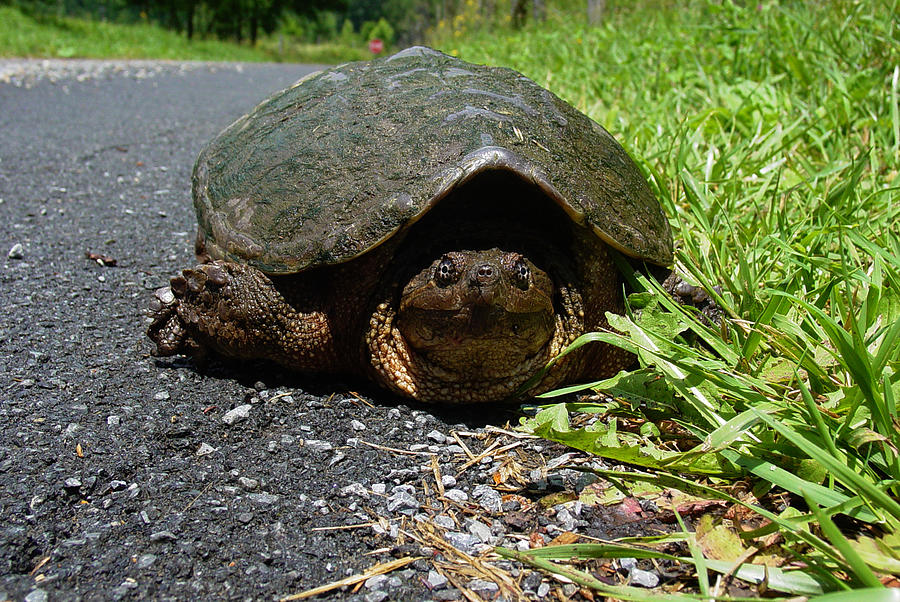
{"x":770,"y":132}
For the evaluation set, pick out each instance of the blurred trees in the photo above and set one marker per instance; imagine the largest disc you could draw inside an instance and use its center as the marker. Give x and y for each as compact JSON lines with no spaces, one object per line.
{"x":346,"y":21}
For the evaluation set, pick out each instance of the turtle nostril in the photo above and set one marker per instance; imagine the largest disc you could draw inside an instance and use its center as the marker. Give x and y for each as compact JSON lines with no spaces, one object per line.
{"x":485,"y":274}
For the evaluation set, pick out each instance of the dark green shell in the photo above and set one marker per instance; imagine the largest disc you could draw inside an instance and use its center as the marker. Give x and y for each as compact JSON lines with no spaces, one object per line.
{"x":347,"y":157}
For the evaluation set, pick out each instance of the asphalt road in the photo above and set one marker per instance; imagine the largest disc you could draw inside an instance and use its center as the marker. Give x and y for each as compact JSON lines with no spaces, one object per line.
{"x":122,"y":476}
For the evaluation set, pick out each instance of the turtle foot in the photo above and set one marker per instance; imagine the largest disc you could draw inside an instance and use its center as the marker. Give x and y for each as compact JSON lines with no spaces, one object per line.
{"x":695,"y":296}
{"x":176,"y":311}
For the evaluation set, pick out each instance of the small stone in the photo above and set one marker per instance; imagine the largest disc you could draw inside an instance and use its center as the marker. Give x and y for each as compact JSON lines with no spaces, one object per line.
{"x":117,"y":485}
{"x":145,"y":560}
{"x":531,"y":581}
{"x":248,"y":483}
{"x":356,"y":425}
{"x":161,"y":395}
{"x":204,"y":450}
{"x":402,"y":500}
{"x":161,"y":536}
{"x":18,"y":252}
{"x":245,"y":517}
{"x":448,"y":480}
{"x":318,"y":445}
{"x":435,"y":580}
{"x":457,"y":495}
{"x":357,"y":489}
{"x":376,"y":581}
{"x":437,"y":436}
{"x":447,"y":595}
{"x":543,"y":589}
{"x":445,"y":522}
{"x":643,"y":578}
{"x":72,"y":483}
{"x":484,"y":588}
{"x":628,"y":563}
{"x":463,"y":542}
{"x":237,"y":414}
{"x":487,"y":498}
{"x":479,"y":530}
{"x":510,"y":506}
{"x":36,"y":595}
{"x":565,"y":520}
{"x":263,"y":498}
{"x":338,"y":456}
{"x":113,"y":420}
{"x":376,"y":596}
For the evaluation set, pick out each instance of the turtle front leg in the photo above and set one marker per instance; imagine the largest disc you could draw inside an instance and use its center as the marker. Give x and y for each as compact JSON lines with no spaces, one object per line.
{"x":239,"y":312}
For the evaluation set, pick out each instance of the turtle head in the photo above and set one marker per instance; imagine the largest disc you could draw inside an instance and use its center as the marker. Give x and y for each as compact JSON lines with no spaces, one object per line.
{"x":480,"y":313}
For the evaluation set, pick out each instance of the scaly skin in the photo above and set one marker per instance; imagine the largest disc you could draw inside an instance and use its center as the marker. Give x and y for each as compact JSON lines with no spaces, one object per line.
{"x":475,"y":335}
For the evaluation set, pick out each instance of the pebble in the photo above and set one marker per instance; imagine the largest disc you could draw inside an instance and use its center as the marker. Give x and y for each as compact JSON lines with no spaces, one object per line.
{"x":487,"y":498}
{"x":356,"y":425}
{"x":357,"y":489}
{"x":18,"y":252}
{"x":479,"y":530}
{"x":437,"y":436}
{"x":318,"y":445}
{"x":445,"y":522}
{"x":542,"y":590}
{"x":464,"y":542}
{"x":161,"y":536}
{"x":376,"y":581}
{"x":161,"y":395}
{"x":113,"y":420}
{"x":402,"y":500}
{"x":376,"y":596}
{"x":435,"y":580}
{"x":448,"y":480}
{"x":204,"y":450}
{"x":145,"y":560}
{"x":484,"y":588}
{"x":643,"y":578}
{"x":237,"y":414}
{"x":72,"y":483}
{"x":36,"y":595}
{"x":457,"y":495}
{"x":248,"y":483}
{"x":262,"y":498}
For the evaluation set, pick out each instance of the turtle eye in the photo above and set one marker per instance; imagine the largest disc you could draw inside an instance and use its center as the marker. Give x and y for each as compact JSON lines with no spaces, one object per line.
{"x":522,"y":273}
{"x":446,"y":272}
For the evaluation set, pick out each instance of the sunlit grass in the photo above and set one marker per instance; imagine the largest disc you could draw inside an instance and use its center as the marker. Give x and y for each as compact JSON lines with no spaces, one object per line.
{"x":770,"y":134}
{"x":24,"y":35}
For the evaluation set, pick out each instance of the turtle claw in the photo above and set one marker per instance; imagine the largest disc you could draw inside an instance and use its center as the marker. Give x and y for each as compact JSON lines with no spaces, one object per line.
{"x":695,"y":296}
{"x":166,"y":328}
{"x":175,"y":307}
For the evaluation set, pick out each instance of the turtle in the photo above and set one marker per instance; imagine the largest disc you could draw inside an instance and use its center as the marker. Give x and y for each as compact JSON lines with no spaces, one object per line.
{"x":440,"y":228}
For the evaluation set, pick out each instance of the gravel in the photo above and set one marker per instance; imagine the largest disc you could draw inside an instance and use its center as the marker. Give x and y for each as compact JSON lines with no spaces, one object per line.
{"x":127,"y":477}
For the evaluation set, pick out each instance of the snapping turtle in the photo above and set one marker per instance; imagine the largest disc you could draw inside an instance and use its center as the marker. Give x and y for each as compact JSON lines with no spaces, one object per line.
{"x":440,"y":228}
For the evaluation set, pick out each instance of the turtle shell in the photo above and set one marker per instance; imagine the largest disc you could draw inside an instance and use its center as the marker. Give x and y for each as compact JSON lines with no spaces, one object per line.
{"x":347,"y":157}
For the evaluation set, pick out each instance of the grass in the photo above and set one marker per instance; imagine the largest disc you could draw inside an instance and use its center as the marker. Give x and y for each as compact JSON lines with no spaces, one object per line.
{"x":771,"y":135}
{"x":26,"y":35}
